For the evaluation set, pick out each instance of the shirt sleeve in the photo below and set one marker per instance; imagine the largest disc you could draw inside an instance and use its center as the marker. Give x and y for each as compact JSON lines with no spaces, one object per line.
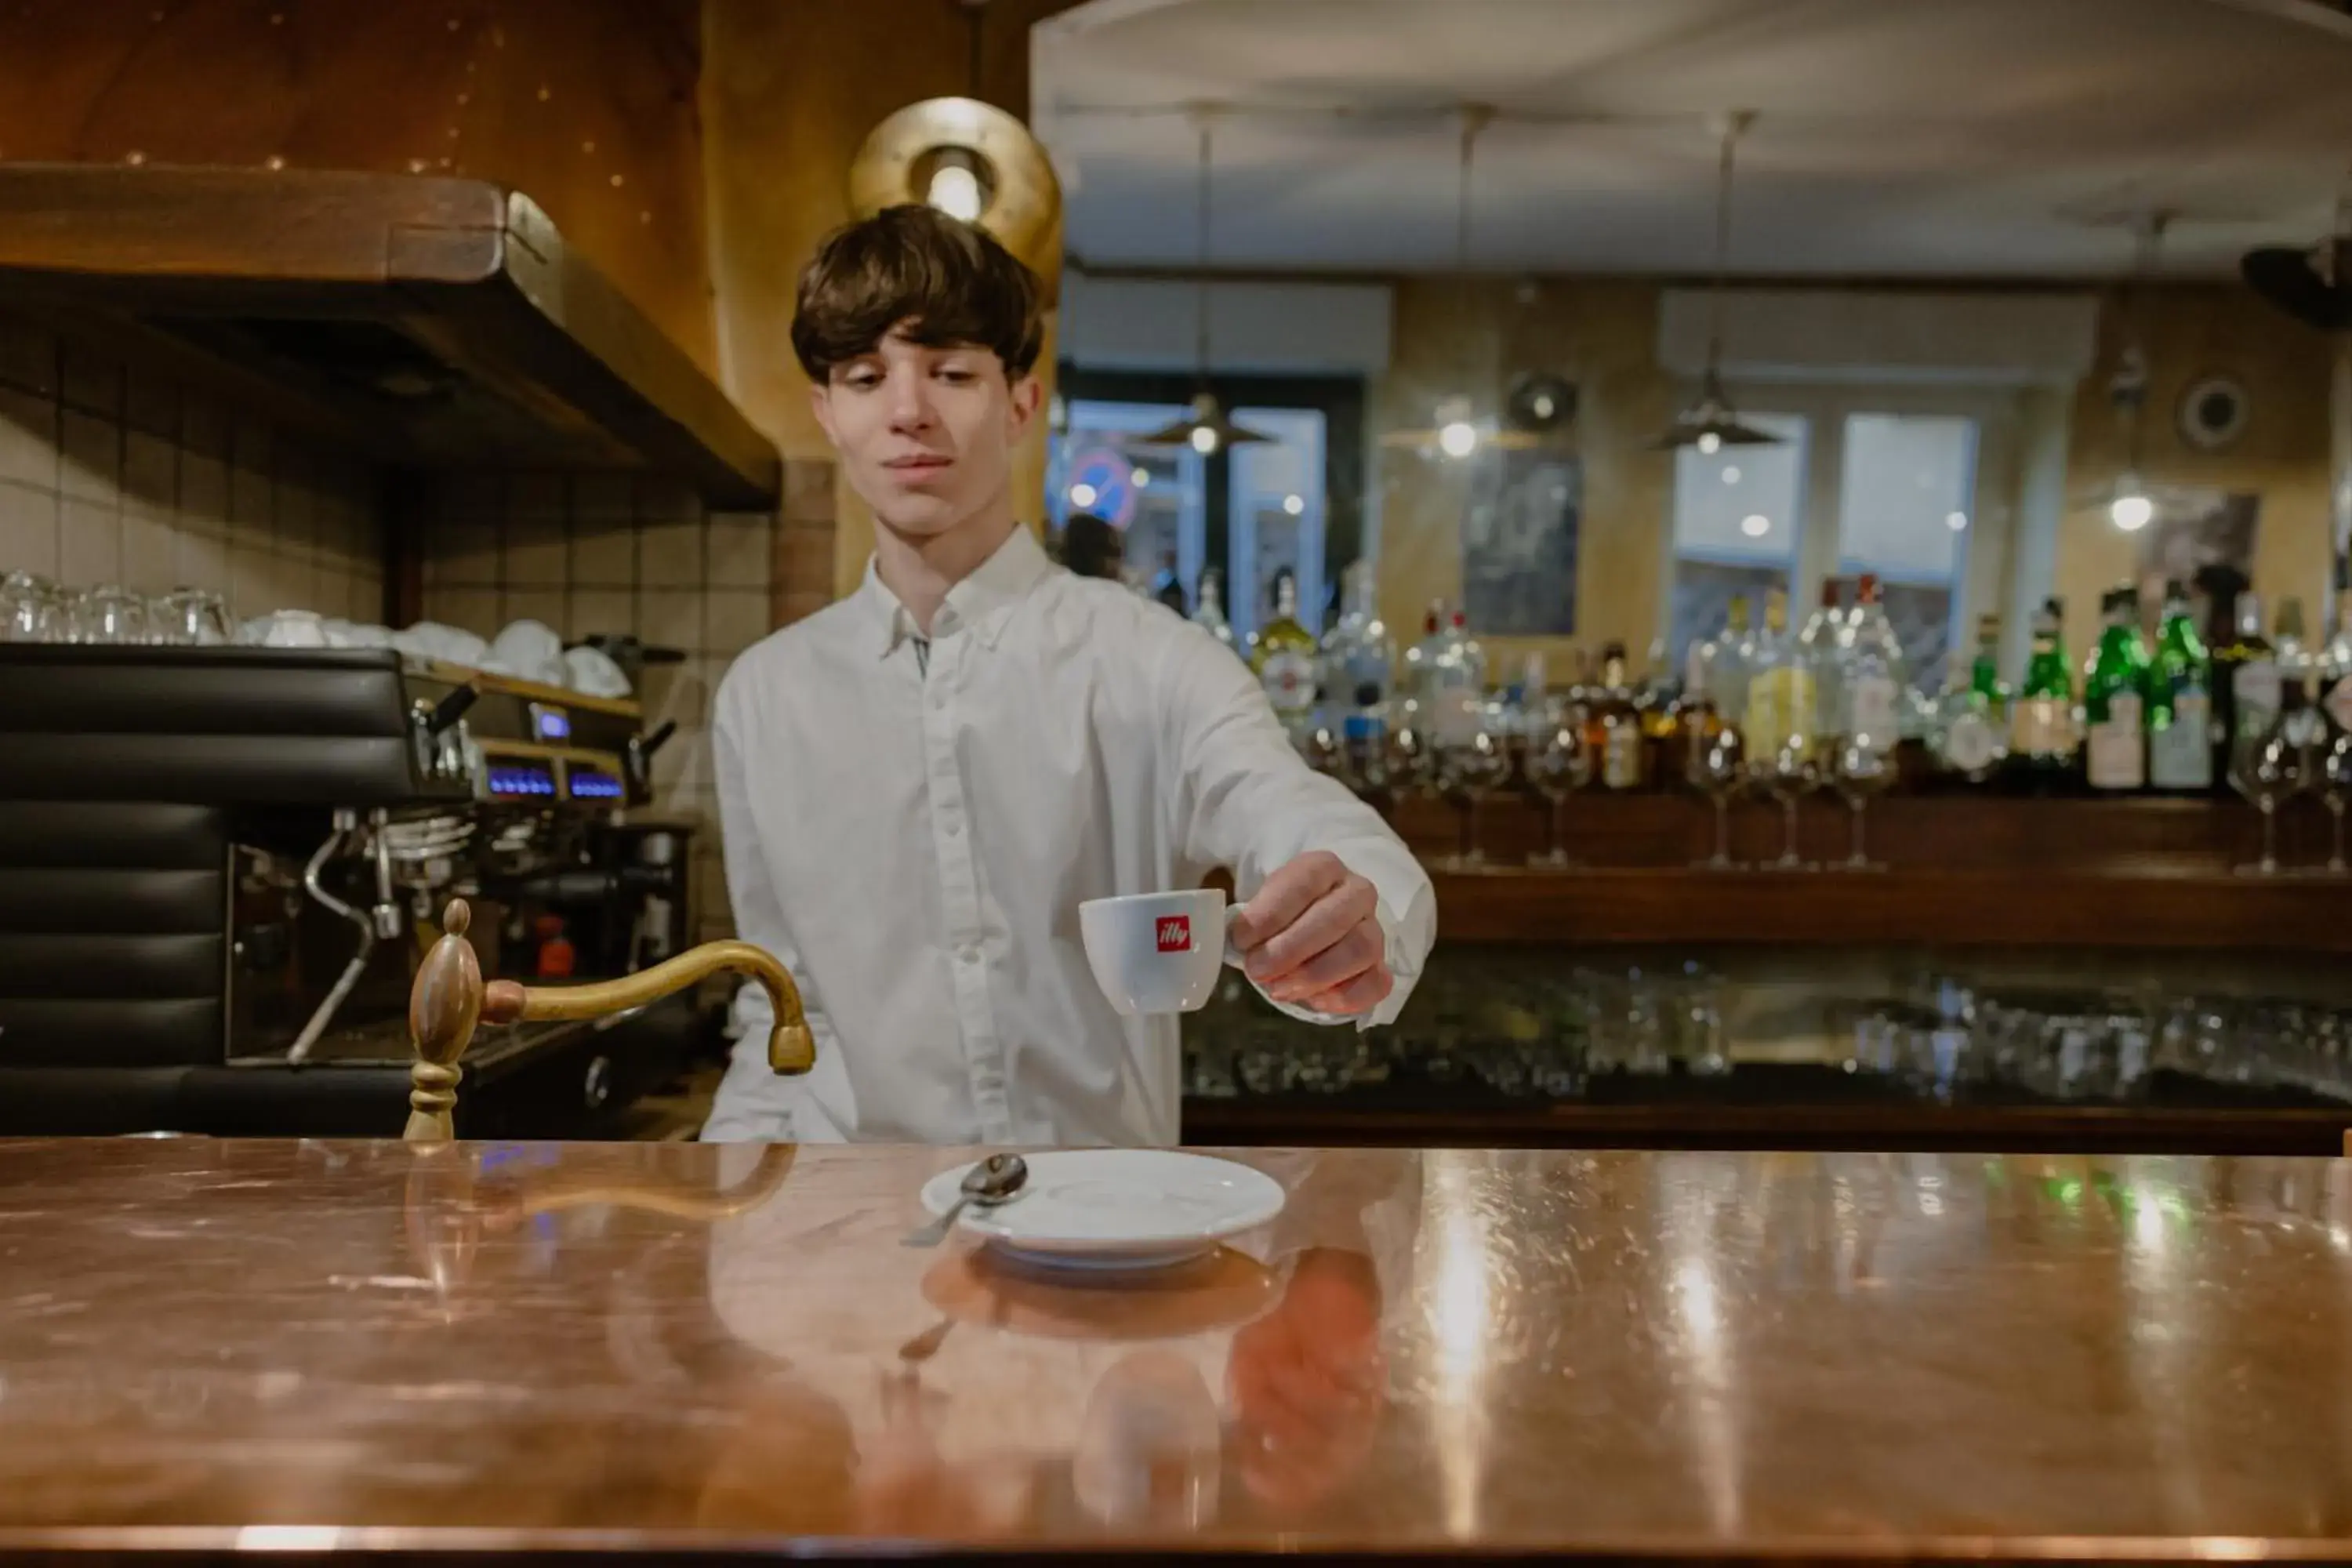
{"x":1244,"y":798}
{"x":752,"y":1104}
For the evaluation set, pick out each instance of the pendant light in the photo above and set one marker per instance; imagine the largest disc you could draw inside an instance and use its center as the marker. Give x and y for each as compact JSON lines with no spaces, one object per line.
{"x":1205,"y":427}
{"x":2130,"y":500}
{"x":1454,"y":431}
{"x":1710,"y":423}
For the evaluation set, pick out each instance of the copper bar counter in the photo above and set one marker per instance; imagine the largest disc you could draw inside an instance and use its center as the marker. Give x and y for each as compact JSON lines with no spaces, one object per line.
{"x":479,"y":1350}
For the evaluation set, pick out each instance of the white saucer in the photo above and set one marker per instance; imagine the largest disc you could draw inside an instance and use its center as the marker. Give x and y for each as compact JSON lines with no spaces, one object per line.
{"x":1116,"y":1208}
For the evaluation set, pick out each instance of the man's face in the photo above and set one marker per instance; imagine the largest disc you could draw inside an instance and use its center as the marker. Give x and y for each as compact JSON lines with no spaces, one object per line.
{"x":925,"y":434}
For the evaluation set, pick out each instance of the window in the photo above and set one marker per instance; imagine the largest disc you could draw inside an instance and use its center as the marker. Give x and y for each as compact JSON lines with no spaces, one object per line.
{"x":1906,"y":501}
{"x":1278,"y":516}
{"x":1739,"y":526}
{"x":1153,"y":495}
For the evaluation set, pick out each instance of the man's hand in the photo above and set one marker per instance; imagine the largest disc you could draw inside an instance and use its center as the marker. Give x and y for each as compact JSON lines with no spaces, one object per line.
{"x":1312,"y":937}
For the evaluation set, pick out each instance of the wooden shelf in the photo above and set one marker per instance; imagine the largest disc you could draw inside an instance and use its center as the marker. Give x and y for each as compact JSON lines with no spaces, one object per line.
{"x":1302,"y":1123}
{"x":1933,"y":907}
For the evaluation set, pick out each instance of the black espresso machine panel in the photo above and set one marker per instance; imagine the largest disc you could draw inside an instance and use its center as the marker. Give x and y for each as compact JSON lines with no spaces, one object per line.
{"x":219,"y":868}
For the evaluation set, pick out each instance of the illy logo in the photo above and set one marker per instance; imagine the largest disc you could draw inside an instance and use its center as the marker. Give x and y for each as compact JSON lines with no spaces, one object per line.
{"x":1176,"y":933}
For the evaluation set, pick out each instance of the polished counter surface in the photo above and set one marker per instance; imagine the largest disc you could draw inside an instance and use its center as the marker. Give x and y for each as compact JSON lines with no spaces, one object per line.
{"x":310,"y":1346}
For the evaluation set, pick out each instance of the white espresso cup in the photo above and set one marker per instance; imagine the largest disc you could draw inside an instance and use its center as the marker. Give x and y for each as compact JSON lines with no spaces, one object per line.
{"x":1157,"y":952}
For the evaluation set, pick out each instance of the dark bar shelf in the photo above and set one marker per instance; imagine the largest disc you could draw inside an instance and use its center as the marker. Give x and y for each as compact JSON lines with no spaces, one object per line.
{"x":1963,"y":872}
{"x":1778,"y":1107}
{"x":1936,"y":908}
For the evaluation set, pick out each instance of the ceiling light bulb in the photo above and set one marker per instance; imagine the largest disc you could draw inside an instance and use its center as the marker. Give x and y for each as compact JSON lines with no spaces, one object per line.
{"x":1755,"y":525}
{"x":955,"y":191}
{"x":1730,"y":473}
{"x":1710,"y":442}
{"x":1957,"y":521}
{"x":1294,"y":504}
{"x":1205,"y":439}
{"x":1083,"y":495}
{"x":1458,"y":438}
{"x":1141,"y":479}
{"x":2131,"y":512}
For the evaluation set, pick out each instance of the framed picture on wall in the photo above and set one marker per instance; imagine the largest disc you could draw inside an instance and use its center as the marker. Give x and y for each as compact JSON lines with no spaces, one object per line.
{"x":2180,"y":543}
{"x":1519,"y":532}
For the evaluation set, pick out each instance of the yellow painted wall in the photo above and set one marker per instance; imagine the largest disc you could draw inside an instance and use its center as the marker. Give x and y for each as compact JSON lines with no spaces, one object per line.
{"x":789,"y":93}
{"x":2282,"y":457}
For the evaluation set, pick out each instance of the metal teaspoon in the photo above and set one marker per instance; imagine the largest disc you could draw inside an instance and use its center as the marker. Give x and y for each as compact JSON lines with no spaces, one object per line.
{"x":994,"y":1179}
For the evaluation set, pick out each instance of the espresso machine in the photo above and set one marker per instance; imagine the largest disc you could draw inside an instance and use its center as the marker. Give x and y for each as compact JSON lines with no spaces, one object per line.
{"x":221,"y":869}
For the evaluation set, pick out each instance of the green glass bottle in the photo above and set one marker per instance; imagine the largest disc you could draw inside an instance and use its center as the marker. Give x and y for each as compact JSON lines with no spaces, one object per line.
{"x":2180,"y":701}
{"x":2114,"y":698}
{"x":2042,"y":742}
{"x":1985,"y":684}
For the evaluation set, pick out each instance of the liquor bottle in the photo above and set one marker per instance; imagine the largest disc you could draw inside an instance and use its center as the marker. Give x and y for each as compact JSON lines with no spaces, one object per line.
{"x":1286,"y":658}
{"x":2299,"y":712}
{"x":1717,"y":667}
{"x":2114,"y":698}
{"x":1971,"y":725}
{"x":1612,"y":726}
{"x":1359,"y":651}
{"x":2253,"y":674}
{"x":1985,"y":685}
{"x":1421,"y":658}
{"x":1209,"y":614}
{"x":2232,"y":644}
{"x":1363,"y":737}
{"x":2336,"y":658}
{"x":1816,"y":649}
{"x":2042,"y":739}
{"x":2180,"y":702}
{"x":1781,"y":690}
{"x":1871,"y":686}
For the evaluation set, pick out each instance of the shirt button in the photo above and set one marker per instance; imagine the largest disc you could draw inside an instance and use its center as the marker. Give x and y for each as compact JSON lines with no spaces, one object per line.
{"x":954,"y":829}
{"x":970,"y":955}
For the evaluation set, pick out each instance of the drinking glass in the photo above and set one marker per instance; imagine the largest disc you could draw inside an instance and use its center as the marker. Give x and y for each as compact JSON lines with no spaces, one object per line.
{"x":2266,"y":767}
{"x":1860,"y":770}
{"x":29,"y":609}
{"x":1716,"y":767}
{"x":190,"y":617}
{"x":1558,"y":768}
{"x":1476,"y":769}
{"x":110,"y":614}
{"x":2335,"y":783}
{"x":1412,"y":761}
{"x":1787,"y":774}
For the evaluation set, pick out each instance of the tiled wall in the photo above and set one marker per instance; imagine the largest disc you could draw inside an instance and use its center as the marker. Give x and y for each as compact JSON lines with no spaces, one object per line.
{"x":599,"y":552}
{"x":110,"y":473}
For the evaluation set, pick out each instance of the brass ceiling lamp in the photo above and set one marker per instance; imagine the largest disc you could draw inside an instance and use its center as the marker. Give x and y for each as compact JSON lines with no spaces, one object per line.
{"x":1456,"y":433}
{"x":972,"y":161}
{"x":1710,"y":423}
{"x":1205,"y":427}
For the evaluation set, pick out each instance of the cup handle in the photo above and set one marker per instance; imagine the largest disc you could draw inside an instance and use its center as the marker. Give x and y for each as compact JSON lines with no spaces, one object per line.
{"x":1232,"y":954}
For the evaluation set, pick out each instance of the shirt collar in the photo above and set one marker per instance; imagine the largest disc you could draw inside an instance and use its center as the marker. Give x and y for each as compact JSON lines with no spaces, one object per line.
{"x":981,"y":602}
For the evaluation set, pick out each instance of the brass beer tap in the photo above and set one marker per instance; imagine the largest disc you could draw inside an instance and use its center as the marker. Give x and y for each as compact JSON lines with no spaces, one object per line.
{"x":449,"y":1000}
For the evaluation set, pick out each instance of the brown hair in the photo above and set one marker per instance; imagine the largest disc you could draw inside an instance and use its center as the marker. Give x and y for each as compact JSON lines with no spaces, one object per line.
{"x":942,"y":279}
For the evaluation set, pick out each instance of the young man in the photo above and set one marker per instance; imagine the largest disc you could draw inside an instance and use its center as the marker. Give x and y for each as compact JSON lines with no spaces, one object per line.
{"x":920,"y":784}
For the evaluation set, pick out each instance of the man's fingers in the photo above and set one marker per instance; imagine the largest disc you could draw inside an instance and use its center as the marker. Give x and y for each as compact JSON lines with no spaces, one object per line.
{"x":1357,"y":950}
{"x":1287,"y":894}
{"x":1315,"y":932}
{"x":1361,"y":994}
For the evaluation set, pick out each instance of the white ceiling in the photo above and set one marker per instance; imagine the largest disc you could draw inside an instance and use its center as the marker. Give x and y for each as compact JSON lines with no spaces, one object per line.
{"x":1926,"y":138}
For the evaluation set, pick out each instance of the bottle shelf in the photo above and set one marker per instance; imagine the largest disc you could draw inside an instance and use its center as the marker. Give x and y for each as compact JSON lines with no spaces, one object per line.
{"x":1962,"y":871}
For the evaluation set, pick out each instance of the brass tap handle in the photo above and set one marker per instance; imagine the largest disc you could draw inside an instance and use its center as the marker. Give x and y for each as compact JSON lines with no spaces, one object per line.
{"x":444,"y":1006}
{"x":449,"y":999}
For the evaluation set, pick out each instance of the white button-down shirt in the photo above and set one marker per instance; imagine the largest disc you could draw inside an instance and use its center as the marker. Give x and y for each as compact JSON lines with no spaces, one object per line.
{"x":913,"y":837}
